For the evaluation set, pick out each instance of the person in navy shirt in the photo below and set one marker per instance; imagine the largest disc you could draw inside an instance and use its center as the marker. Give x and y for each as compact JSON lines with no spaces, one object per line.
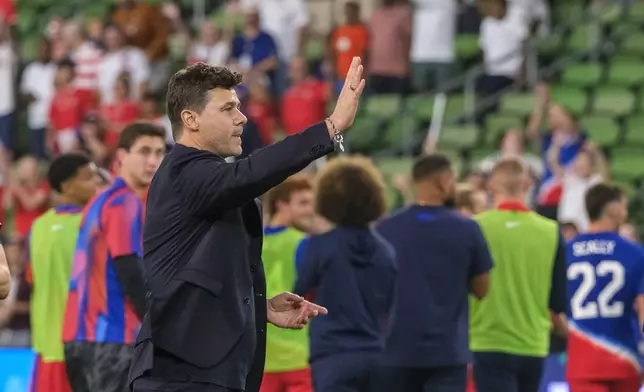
{"x":442,"y":257}
{"x":254,"y":50}
{"x":352,"y":272}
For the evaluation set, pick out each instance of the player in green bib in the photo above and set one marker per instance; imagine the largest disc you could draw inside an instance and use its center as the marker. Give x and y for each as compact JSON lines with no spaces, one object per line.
{"x":51,"y":246}
{"x":290,"y":206}
{"x":510,"y":327}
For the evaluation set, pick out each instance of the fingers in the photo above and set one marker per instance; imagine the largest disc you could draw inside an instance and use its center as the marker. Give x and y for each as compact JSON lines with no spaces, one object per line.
{"x":355,"y":73}
{"x":292,"y":298}
{"x":311,"y":307}
{"x":360,"y":88}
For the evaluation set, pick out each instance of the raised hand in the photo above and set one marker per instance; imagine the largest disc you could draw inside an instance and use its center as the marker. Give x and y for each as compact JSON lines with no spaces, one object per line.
{"x":347,"y":105}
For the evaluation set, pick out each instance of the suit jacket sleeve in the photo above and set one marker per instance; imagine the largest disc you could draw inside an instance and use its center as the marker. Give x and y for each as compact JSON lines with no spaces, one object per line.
{"x":210,"y":185}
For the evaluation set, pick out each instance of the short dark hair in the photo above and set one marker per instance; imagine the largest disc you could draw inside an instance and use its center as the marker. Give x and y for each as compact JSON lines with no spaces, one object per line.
{"x":135,"y":131}
{"x":189,"y":88}
{"x":598,"y":197}
{"x":64,"y":168}
{"x":66,"y":63}
{"x":429,"y":165}
{"x":350,"y":192}
{"x":282,"y":192}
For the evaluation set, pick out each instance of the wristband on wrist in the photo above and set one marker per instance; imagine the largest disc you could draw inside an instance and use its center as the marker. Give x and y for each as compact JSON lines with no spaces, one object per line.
{"x":337,"y":135}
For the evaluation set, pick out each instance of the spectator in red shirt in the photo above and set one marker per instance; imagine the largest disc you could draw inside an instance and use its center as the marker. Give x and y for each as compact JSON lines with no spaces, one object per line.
{"x":28,"y":193}
{"x":121,"y":112}
{"x":305,"y":102}
{"x":65,"y":113}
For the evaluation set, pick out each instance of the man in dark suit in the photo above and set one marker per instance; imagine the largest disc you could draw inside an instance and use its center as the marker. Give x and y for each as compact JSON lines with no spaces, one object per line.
{"x":205,"y":326}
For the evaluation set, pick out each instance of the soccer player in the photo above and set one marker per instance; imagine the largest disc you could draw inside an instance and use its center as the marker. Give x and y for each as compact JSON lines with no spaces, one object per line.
{"x":442,"y":258}
{"x":352,"y":271}
{"x":510,"y":327}
{"x":290,"y":207}
{"x":106,"y":299}
{"x":606,"y":299}
{"x":51,"y":245}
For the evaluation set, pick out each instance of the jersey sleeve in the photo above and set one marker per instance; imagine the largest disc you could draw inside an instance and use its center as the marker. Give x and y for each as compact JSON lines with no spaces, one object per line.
{"x":640,"y":283}
{"x":123,"y":225}
{"x":558,"y":300}
{"x":308,"y":272}
{"x":482,"y":259}
{"x":299,"y":253}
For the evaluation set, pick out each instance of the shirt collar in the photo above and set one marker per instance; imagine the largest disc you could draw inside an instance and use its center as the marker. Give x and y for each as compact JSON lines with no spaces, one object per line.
{"x":513,"y":206}
{"x":67,"y":209}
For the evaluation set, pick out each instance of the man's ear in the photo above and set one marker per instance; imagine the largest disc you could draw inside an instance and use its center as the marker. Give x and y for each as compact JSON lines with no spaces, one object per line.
{"x":190,"y":119}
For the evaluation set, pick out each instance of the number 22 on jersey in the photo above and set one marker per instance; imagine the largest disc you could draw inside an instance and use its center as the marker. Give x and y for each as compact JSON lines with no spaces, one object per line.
{"x":582,"y":306}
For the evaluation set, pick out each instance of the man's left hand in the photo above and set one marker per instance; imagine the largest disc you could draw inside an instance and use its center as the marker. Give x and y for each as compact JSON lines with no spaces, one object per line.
{"x":291,"y":311}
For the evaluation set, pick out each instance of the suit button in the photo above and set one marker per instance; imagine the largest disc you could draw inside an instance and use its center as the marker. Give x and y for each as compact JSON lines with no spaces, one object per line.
{"x":246,"y":300}
{"x":252,"y":268}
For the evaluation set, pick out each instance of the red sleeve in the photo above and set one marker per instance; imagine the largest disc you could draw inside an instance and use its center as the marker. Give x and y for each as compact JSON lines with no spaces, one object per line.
{"x":52,"y":112}
{"x":123,"y":225}
{"x":133,"y":111}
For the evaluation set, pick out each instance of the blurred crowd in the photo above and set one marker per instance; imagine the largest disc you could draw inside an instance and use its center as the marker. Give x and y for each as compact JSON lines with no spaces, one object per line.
{"x":90,"y":78}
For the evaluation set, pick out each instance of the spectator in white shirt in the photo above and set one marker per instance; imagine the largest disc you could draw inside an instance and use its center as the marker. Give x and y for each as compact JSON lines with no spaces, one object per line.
{"x":287,"y":22}
{"x":502,"y":37}
{"x":37,"y":89}
{"x":118,"y":59}
{"x":86,"y":56}
{"x":432,"y":48}
{"x":588,"y":169}
{"x":213,"y":47}
{"x":8,"y":73}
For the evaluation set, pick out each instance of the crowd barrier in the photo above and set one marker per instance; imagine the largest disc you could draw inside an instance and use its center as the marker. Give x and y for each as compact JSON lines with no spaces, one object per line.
{"x":16,"y":366}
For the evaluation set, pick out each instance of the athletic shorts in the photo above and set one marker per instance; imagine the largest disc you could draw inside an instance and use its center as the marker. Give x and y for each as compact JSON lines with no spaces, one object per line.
{"x":98,"y":367}
{"x":49,"y":377}
{"x":293,"y":381}
{"x":617,"y":385}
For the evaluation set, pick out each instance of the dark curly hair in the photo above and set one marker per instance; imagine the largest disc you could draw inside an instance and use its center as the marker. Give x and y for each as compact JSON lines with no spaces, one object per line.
{"x":189,"y":87}
{"x":350,"y":192}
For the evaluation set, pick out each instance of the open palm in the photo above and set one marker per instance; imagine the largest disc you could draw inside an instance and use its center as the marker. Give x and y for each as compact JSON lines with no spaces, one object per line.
{"x":349,"y":98}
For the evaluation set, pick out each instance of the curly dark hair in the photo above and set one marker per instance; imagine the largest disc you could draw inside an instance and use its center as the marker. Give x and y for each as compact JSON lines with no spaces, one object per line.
{"x":189,"y":88}
{"x":350,"y":192}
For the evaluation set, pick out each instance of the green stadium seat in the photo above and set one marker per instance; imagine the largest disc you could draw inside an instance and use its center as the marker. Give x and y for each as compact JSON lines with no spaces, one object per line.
{"x":315,"y":49}
{"x":458,"y":137}
{"x":551,"y":45}
{"x":420,"y":106}
{"x":583,"y":75}
{"x":635,"y":131}
{"x":613,"y":101}
{"x":626,"y":184}
{"x":520,"y":104}
{"x":400,"y":132}
{"x":633,"y":45}
{"x":389,"y":166}
{"x":626,"y":163}
{"x":455,"y":106}
{"x":363,"y":134}
{"x":626,"y":73}
{"x":467,"y":46}
{"x":497,"y":124}
{"x":602,"y":130}
{"x":635,"y":12}
{"x":575,"y":100}
{"x":480,"y":153}
{"x":383,"y":106}
{"x":584,"y":37}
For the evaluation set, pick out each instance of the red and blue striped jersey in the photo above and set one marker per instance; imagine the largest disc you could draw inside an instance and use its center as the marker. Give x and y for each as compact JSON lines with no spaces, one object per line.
{"x":605,"y":276}
{"x":97,"y":310}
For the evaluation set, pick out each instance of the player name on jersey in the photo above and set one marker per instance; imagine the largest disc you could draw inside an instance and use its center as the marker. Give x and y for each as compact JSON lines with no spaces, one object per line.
{"x":594,"y":247}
